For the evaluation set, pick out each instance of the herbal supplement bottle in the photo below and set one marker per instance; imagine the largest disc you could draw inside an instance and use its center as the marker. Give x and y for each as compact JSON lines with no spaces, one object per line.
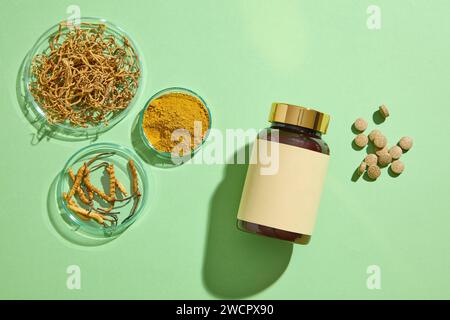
{"x":285,"y":176}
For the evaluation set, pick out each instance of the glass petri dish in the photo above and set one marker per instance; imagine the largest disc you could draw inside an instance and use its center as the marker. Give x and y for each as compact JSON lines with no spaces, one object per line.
{"x":121,"y":156}
{"x":42,"y":46}
{"x":168,"y":155}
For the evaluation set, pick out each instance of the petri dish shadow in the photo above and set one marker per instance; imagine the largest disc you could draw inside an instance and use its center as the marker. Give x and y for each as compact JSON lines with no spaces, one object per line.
{"x":65,"y":227}
{"x":377,"y":117}
{"x":238,"y":264}
{"x":146,"y":154}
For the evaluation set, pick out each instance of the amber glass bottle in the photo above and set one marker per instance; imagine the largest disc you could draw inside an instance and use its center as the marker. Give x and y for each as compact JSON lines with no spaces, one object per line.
{"x":283,"y":203}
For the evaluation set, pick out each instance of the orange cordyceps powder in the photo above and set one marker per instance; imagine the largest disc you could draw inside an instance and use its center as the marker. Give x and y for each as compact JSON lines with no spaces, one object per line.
{"x":171,"y":112}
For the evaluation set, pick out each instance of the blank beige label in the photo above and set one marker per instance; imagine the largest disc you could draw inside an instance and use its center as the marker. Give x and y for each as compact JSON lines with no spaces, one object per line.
{"x":289,"y":198}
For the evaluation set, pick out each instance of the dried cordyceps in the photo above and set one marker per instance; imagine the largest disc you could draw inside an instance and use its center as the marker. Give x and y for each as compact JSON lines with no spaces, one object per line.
{"x":85,"y":76}
{"x":81,"y":183}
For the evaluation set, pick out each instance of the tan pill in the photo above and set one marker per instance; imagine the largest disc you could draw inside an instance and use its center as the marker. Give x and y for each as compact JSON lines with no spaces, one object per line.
{"x":362,"y":167}
{"x":384,"y":111}
{"x":384,"y":159}
{"x":405,"y":143}
{"x":380,"y":141}
{"x":381,"y":151}
{"x":395,"y":152}
{"x":361,"y":140}
{"x":371,"y":159}
{"x":373,"y":172}
{"x":397,"y":167}
{"x":360,"y":124}
{"x":373,"y":134}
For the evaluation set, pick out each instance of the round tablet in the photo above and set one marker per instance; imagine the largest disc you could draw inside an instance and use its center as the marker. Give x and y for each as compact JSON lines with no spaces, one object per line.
{"x":380,"y":141}
{"x":395,"y":152}
{"x":362,"y":167}
{"x":397,"y":167}
{"x":373,"y":134}
{"x":361,"y":140}
{"x":360,"y":124}
{"x":405,"y":143}
{"x":381,"y":151}
{"x":371,"y":159}
{"x":384,"y":111}
{"x":384,"y":159}
{"x":373,"y":172}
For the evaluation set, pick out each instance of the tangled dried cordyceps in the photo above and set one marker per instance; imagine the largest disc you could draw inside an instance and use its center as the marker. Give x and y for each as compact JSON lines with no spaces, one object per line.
{"x":85,"y":76}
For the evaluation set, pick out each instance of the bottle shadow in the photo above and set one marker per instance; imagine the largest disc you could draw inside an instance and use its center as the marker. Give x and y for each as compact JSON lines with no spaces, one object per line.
{"x":238,"y":264}
{"x":66,"y":228}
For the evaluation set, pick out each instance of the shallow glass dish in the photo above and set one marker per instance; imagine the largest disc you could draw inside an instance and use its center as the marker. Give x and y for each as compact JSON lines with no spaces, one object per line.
{"x":148,"y":144}
{"x":100,"y":179}
{"x":42,"y":46}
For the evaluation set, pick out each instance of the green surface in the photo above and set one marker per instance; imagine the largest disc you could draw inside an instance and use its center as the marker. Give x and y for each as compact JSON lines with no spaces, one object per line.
{"x":240,"y":56}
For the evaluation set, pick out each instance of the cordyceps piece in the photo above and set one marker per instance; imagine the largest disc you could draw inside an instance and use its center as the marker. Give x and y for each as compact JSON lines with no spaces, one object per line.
{"x":135,"y":178}
{"x":85,"y":214}
{"x":121,"y":187}
{"x":80,"y":191}
{"x":76,"y":183}
{"x":72,"y":203}
{"x":94,"y":189}
{"x":135,"y":191}
{"x":112,"y":183}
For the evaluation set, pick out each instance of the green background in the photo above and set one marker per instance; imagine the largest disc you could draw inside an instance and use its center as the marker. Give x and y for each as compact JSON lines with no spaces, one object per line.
{"x":241,"y":56}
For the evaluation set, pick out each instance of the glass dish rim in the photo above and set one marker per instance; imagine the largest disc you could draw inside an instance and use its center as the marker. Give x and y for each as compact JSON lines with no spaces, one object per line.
{"x":168,"y":155}
{"x":141,"y":172}
{"x":112,"y":27}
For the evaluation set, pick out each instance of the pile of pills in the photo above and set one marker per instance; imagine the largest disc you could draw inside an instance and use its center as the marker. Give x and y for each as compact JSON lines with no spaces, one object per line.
{"x":382,"y":156}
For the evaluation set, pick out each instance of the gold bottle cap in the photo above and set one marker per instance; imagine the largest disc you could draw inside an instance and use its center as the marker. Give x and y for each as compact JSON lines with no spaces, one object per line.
{"x":299,"y":116}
